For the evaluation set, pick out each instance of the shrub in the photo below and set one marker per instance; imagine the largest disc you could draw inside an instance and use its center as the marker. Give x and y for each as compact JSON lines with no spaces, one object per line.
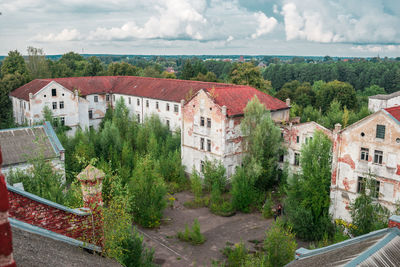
{"x":267,"y":208}
{"x":243,"y":191}
{"x":214,"y":174}
{"x":194,"y":236}
{"x":196,"y":185}
{"x":148,"y":194}
{"x":236,"y":254}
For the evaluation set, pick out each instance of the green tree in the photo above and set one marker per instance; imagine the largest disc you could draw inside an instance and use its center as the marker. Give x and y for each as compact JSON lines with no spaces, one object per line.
{"x":374,"y":90}
{"x":343,"y":92}
{"x":94,"y":68}
{"x":187,"y":71}
{"x":248,"y":74}
{"x":307,"y":203}
{"x":243,"y":190}
{"x":122,"y":69}
{"x":37,"y":64}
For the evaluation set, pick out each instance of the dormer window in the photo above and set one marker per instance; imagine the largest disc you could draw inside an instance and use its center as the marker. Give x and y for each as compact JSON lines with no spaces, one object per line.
{"x":53,"y":92}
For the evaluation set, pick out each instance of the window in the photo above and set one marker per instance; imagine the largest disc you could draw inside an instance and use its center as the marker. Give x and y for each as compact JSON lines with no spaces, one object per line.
{"x":201,"y":121}
{"x":53,"y":92}
{"x":281,"y":134}
{"x":107,"y":97}
{"x":296,"y":159}
{"x":202,"y":166}
{"x":54,"y":105}
{"x":138,"y":118}
{"x":96,"y":98}
{"x":90,"y":114}
{"x":361,"y":184}
{"x":147,"y":103}
{"x":167,"y":124}
{"x":378,"y":156}
{"x":297,"y":139}
{"x":202,"y":143}
{"x":113,"y":97}
{"x":61,"y":104}
{"x":176,"y":108}
{"x":129,"y":101}
{"x":308,"y":139}
{"x":364,"y":154}
{"x":167,"y":107}
{"x":208,"y":122}
{"x":375,"y":185}
{"x":157,"y":105}
{"x":24,"y":105}
{"x":380,"y":131}
{"x":281,"y":157}
{"x":138,"y":102}
{"x":375,"y":188}
{"x":208,"y":145}
{"x":62,"y":121}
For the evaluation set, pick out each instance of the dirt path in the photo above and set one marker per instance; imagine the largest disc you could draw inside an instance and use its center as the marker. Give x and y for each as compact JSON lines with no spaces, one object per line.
{"x":170,"y":251}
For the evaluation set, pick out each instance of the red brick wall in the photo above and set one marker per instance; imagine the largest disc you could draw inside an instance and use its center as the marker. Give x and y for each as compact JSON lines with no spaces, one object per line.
{"x":56,"y":220}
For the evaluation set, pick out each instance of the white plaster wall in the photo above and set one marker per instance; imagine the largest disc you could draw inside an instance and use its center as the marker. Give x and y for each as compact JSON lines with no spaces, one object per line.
{"x":375,"y":105}
{"x":393,"y":102}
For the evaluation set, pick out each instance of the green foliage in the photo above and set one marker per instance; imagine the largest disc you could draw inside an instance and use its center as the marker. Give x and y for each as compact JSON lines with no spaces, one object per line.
{"x":214,"y":176}
{"x":248,"y":74}
{"x":307,"y":203}
{"x":236,"y":254}
{"x":374,"y":90}
{"x":196,"y":185}
{"x":267,"y":207}
{"x":148,"y":193}
{"x":37,"y":64}
{"x":194,"y":236}
{"x":368,"y":215}
{"x":344,"y":93}
{"x":242,"y":191}
{"x":279,"y":245}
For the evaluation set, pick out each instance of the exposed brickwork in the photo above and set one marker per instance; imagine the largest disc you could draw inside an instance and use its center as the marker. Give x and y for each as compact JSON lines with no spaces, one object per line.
{"x":398,"y":169}
{"x":348,"y":160}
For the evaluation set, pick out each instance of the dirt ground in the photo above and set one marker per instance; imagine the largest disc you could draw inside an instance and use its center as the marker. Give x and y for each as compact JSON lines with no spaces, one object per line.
{"x":170,"y":251}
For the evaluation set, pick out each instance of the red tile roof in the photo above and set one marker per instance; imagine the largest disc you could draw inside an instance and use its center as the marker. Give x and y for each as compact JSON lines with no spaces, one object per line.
{"x":395,"y":112}
{"x":236,"y":99}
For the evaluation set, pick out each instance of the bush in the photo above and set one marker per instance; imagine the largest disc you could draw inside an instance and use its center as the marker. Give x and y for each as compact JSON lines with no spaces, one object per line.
{"x":196,"y":185}
{"x":267,"y":208}
{"x":219,"y":205}
{"x":243,"y":191}
{"x":279,"y":245}
{"x":214,"y":174}
{"x":194,"y":236}
{"x":148,"y":194}
{"x":236,"y":255}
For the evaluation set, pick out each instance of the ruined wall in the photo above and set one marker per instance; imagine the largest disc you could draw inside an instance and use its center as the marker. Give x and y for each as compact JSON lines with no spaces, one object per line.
{"x":350,"y":166}
{"x":375,"y":105}
{"x":98,"y":109}
{"x":280,"y":115}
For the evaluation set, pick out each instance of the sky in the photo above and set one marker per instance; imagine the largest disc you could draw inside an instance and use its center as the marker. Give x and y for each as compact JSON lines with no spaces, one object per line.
{"x":359,"y":28}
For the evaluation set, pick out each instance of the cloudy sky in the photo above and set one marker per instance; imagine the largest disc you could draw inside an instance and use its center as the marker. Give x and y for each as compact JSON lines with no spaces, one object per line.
{"x":251,"y":27}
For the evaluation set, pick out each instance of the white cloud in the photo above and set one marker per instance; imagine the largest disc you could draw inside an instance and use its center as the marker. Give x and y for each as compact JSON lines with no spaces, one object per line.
{"x":265,"y":24}
{"x":64,"y":36}
{"x":376,"y":48}
{"x":230,"y":38}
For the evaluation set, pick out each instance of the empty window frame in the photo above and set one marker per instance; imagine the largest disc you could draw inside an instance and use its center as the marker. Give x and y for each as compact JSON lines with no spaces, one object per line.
{"x":296,"y":159}
{"x":167,"y":121}
{"x":202,"y":143}
{"x":364,"y":154}
{"x":96,"y":98}
{"x":107,"y":97}
{"x":297,"y":139}
{"x":53,"y":92}
{"x":378,"y":157}
{"x":54,"y":105}
{"x":62,"y":121}
{"x":147,"y":103}
{"x":281,"y":157}
{"x":202,"y":166}
{"x":361,"y":184}
{"x":208,"y":123}
{"x":90,"y":114}
{"x":157,"y":105}
{"x":61,"y":104}
{"x":208,"y":145}
{"x":167,"y":106}
{"x":380,"y":131}
{"x":201,"y":121}
{"x":176,"y":108}
{"x":138,"y":102}
{"x":138,"y":118}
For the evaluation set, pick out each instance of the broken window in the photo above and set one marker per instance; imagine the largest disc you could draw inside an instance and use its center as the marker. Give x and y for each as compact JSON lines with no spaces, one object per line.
{"x":96,"y":98}
{"x":90,"y":114}
{"x":296,"y":159}
{"x":61,"y":104}
{"x":107,"y":97}
{"x":54,"y":105}
{"x":138,"y":102}
{"x":176,"y":108}
{"x":208,"y":122}
{"x":167,"y":124}
{"x":380,"y":131}
{"x":208,"y":145}
{"x":374,"y":186}
{"x":360,"y":184}
{"x":378,"y":156}
{"x":147,"y":103}
{"x":62,"y":121}
{"x":297,"y":139}
{"x":202,"y":143}
{"x":364,"y":154}
{"x":53,"y":92}
{"x":157,"y":105}
{"x":281,"y":157}
{"x":202,"y":166}
{"x":55,"y":121}
{"x":201,"y":121}
{"x":167,"y":107}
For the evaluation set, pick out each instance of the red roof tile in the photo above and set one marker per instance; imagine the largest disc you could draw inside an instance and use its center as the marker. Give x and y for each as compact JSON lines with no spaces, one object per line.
{"x":395,"y":112}
{"x":236,"y":99}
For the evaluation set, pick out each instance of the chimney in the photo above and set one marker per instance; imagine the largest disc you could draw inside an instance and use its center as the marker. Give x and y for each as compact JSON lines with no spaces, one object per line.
{"x":91,"y":180}
{"x":30,"y":95}
{"x":338,"y":127}
{"x":224,"y":110}
{"x":76,"y":93}
{"x":288,"y":102}
{"x":6,"y":248}
{"x":394,"y":221}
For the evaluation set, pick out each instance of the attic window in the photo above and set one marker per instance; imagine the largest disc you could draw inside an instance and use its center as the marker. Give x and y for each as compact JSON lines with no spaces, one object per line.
{"x":44,"y":95}
{"x":53,"y":92}
{"x":380,"y":131}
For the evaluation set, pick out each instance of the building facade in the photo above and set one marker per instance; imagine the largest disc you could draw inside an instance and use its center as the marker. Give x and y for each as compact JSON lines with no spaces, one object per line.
{"x":367,"y":148}
{"x":378,"y":102}
{"x":211,"y":125}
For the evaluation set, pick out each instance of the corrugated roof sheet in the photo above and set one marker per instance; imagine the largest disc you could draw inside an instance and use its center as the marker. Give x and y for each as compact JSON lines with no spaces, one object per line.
{"x":23,"y":144}
{"x":235,"y":97}
{"x":395,"y":112}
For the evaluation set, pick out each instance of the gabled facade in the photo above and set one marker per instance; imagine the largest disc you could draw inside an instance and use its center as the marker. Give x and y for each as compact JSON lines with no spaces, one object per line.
{"x":371,"y":145}
{"x":211,"y":125}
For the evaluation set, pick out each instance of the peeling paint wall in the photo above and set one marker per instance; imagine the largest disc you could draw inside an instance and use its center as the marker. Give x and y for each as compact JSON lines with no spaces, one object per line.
{"x":350,"y":164}
{"x":375,"y":105}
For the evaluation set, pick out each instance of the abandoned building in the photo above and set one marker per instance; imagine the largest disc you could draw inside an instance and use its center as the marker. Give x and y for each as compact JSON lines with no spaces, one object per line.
{"x":378,"y":102}
{"x":83,"y":101}
{"x":21,"y":145}
{"x":367,"y":148}
{"x":211,"y":125}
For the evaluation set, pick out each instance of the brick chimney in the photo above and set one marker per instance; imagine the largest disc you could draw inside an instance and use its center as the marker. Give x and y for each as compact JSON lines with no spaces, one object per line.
{"x":394,"y":221}
{"x":91,"y":180}
{"x":6,"y":255}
